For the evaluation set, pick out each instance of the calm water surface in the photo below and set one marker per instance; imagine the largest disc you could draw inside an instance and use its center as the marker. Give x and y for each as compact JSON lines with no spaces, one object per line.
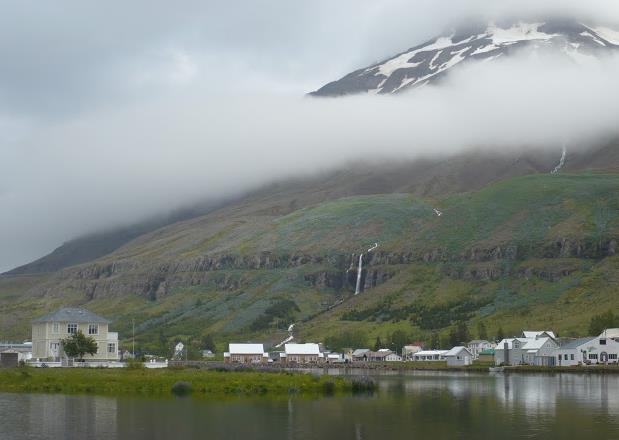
{"x":409,"y":405}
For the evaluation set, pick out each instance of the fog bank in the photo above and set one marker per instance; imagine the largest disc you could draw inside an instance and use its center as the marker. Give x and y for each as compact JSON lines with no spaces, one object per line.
{"x":118,"y":165}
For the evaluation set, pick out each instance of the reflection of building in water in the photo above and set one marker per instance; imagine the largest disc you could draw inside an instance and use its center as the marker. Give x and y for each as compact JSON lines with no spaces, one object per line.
{"x":458,"y":384}
{"x":532,"y":394}
{"x":60,"y":416}
{"x":540,"y":394}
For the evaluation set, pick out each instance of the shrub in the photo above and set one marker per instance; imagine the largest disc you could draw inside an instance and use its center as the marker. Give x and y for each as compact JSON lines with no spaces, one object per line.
{"x":293,"y":390}
{"x":363,"y":384}
{"x":182,"y":388}
{"x":328,"y":387}
{"x":135,"y":364}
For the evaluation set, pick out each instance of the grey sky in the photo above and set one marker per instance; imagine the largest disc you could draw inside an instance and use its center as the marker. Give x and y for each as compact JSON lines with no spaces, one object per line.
{"x":111,"y":111}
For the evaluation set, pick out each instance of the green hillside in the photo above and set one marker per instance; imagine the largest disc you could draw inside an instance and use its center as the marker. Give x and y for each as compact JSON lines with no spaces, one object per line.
{"x":533,"y":251}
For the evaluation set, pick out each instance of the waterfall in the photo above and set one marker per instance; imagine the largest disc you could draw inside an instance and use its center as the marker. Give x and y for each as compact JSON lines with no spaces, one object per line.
{"x":359,"y":270}
{"x":561,"y":161}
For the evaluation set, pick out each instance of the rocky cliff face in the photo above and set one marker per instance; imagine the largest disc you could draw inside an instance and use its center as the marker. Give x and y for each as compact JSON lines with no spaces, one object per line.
{"x":230,"y":272}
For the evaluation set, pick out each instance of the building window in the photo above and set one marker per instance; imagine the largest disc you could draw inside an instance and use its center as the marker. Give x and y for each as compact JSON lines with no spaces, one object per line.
{"x":111,"y":347}
{"x":602,"y":341}
{"x":571,"y":357}
{"x":593,"y":356}
{"x":612,"y":356}
{"x":53,"y":346}
{"x":71,"y":328}
{"x":56,"y":327}
{"x":565,"y":357}
{"x":93,"y":329}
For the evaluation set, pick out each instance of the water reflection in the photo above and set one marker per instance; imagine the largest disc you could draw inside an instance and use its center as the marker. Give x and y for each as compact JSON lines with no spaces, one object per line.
{"x":43,"y":416}
{"x":411,"y":405}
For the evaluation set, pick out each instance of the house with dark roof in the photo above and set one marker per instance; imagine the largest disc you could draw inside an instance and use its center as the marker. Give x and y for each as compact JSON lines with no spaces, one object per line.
{"x":49,"y":330}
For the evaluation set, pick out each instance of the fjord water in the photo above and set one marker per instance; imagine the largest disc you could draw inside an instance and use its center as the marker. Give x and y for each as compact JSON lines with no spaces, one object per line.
{"x":409,"y":405}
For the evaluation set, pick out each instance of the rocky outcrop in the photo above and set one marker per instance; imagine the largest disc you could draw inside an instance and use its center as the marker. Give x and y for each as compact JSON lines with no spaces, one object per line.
{"x":570,"y":248}
{"x":326,"y":280}
{"x":156,"y":279}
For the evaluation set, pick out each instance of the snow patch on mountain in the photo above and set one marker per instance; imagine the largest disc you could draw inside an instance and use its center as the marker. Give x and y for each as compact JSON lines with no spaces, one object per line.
{"x":610,"y":35}
{"x":429,"y":62}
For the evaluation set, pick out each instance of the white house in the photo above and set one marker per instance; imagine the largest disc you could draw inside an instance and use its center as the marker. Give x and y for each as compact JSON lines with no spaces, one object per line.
{"x":430,"y":355}
{"x":538,"y":334}
{"x":532,"y":348}
{"x":540,"y":352}
{"x":49,"y":330}
{"x":612,"y":333}
{"x":393,"y":357}
{"x":476,"y":346}
{"x":459,"y":357}
{"x":591,"y":350}
{"x":409,"y":350}
{"x":246,"y":354}
{"x":335,"y":358}
{"x":303,"y":353}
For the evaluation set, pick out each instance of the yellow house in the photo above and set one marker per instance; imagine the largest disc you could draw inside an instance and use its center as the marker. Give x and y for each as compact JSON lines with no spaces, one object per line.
{"x":50,"y":329}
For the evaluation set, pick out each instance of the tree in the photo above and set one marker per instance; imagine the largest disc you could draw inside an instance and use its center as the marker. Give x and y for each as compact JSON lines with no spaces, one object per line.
{"x":444,"y":342}
{"x":599,"y":323}
{"x":500,"y":335}
{"x":208,"y":343}
{"x":459,"y":335}
{"x":435,"y":342}
{"x":378,"y":344}
{"x":164,"y":344}
{"x":398,"y":340}
{"x":481,"y":331}
{"x":78,"y":344}
{"x":346,"y":339}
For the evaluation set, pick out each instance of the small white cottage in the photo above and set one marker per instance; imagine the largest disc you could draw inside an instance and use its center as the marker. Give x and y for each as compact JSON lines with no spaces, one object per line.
{"x":459,"y":357}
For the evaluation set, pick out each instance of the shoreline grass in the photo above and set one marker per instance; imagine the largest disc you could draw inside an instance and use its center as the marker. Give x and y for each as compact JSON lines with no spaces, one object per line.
{"x":160,"y":382}
{"x":590,"y":369}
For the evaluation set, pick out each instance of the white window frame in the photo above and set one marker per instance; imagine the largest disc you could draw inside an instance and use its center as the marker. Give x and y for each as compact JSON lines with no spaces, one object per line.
{"x":111,"y":345}
{"x":93,"y":329}
{"x":73,"y":326}
{"x":56,"y":327}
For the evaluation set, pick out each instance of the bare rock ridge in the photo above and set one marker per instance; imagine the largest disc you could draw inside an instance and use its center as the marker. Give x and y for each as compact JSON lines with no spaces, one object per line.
{"x":431,"y":61}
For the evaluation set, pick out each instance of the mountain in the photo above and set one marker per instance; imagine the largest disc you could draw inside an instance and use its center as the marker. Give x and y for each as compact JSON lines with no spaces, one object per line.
{"x":487,"y":236}
{"x":431,"y":61}
{"x":511,"y":237}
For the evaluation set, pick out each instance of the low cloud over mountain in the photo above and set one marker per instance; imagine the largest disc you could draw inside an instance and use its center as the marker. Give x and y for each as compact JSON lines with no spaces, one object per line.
{"x":109,"y":116}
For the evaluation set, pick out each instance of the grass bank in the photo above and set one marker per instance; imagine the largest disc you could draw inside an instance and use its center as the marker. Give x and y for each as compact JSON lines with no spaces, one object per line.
{"x":420,"y":365}
{"x":591,"y":369}
{"x":161,"y":382}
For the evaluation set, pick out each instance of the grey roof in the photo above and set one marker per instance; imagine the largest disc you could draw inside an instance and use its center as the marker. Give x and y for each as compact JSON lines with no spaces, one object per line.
{"x":71,"y":314}
{"x":575,"y":343}
{"x":360,"y":351}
